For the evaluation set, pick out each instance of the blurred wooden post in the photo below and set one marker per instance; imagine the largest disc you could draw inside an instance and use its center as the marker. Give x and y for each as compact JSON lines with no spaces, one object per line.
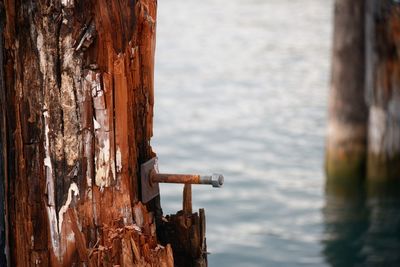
{"x":383,"y":89}
{"x":347,"y":126}
{"x":76,"y":95}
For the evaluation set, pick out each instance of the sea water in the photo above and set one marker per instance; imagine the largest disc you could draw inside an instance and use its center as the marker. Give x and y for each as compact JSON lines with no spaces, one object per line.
{"x":241,"y":88}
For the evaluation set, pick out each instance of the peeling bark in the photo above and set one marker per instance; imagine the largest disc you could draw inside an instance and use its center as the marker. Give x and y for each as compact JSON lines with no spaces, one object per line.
{"x":77,"y":100}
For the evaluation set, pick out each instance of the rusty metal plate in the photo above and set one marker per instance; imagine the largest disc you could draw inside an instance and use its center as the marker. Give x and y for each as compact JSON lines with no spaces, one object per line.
{"x":149,"y":190}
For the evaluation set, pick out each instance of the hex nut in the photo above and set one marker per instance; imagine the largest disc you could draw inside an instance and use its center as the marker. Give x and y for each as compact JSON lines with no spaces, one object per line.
{"x":217,"y":180}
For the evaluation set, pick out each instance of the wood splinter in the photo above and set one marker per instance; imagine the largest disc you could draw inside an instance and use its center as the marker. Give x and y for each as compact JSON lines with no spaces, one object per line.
{"x":185,"y":231}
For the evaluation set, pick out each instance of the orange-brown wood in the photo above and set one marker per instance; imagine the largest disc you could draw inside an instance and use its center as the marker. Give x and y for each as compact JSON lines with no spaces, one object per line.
{"x":77,"y":88}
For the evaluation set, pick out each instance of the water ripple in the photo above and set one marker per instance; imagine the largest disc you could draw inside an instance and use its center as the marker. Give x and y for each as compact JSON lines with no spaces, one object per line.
{"x":241,"y":89}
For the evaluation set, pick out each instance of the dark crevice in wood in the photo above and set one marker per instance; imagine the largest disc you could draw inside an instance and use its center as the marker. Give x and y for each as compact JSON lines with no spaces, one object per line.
{"x":3,"y":149}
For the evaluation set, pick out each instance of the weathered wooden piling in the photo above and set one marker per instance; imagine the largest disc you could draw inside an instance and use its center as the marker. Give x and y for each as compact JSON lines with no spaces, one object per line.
{"x":383,"y":89}
{"x":348,"y":113}
{"x":76,"y":94}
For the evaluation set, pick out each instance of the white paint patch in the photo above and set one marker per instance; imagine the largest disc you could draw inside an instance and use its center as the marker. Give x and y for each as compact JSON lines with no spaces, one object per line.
{"x":42,"y":56}
{"x":71,"y":237}
{"x":118,"y":160}
{"x":88,"y":154}
{"x":114,"y":176}
{"x":67,"y":3}
{"x":51,"y":211}
{"x":96,"y":124}
{"x":47,"y":161}
{"x":137,"y":228}
{"x":133,"y":51}
{"x":54,"y":234}
{"x":73,"y":189}
{"x":159,"y":247}
{"x":103,"y":165}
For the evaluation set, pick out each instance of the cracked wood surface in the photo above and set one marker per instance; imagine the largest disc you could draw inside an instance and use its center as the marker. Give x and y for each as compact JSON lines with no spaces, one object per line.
{"x":76,"y":118}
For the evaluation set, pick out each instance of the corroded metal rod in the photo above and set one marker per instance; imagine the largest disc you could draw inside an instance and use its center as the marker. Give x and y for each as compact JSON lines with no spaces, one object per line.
{"x":216,"y":180}
{"x":150,"y":179}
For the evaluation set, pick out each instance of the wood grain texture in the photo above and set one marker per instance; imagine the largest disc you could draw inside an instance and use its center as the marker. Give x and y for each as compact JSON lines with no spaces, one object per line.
{"x":76,"y":121}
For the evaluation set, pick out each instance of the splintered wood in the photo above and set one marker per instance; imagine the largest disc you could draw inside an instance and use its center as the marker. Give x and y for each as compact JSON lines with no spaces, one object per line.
{"x":76,"y":90}
{"x":131,"y":245}
{"x":77,"y":96}
{"x":186,"y":234}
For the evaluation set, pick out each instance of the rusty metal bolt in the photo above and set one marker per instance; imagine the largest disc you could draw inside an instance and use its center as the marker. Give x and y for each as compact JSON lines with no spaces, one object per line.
{"x":216,"y":180}
{"x":150,"y":179}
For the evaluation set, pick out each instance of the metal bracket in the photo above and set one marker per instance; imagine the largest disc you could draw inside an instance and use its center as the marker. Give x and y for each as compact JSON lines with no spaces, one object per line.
{"x":149,"y":190}
{"x":150,"y":178}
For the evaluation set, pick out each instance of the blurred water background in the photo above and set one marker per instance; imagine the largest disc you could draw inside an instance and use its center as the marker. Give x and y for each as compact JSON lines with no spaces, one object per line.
{"x":242,"y":89}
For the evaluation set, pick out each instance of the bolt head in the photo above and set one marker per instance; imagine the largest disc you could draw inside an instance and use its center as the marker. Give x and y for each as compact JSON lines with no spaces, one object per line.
{"x":217,"y":180}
